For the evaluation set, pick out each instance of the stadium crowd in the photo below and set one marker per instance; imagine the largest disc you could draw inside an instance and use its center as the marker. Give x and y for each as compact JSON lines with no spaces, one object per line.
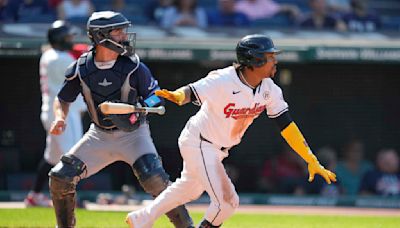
{"x":339,"y":15}
{"x":285,"y":173}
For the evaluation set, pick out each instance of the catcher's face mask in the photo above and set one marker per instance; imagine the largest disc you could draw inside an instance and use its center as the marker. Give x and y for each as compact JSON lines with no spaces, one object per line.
{"x":118,"y":40}
{"x":110,"y":29}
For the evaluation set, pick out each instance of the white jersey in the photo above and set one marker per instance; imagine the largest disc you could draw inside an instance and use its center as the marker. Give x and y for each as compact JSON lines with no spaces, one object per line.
{"x":228,"y":106}
{"x":53,"y":64}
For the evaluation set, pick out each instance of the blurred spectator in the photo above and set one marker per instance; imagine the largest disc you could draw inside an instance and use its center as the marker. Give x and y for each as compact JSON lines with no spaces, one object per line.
{"x":32,"y":8}
{"x":226,"y":15}
{"x":260,"y":9}
{"x":185,"y":13}
{"x":75,"y":10}
{"x":53,"y":4}
{"x":328,"y":158}
{"x":385,"y":179}
{"x":320,"y":18}
{"x":7,"y":12}
{"x":155,"y":10}
{"x":339,"y":6}
{"x":283,"y":173}
{"x":353,"y":167}
{"x":360,"y":19}
{"x":118,"y":5}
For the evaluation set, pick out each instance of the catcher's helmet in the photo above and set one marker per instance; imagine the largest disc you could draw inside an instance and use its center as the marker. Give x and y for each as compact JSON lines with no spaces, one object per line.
{"x":57,"y":35}
{"x":99,"y":26}
{"x":250,"y":50}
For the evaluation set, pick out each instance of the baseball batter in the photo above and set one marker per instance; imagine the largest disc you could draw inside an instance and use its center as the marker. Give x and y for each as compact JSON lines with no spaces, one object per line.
{"x":230,"y":99}
{"x":53,"y":63}
{"x":111,"y":71}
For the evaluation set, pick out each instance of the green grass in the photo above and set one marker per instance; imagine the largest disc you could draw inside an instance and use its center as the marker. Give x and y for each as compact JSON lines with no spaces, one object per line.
{"x":42,"y":217}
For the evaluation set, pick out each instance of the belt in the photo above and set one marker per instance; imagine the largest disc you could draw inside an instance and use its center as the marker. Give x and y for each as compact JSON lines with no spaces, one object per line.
{"x":107,"y":129}
{"x":140,"y":121}
{"x":221,"y":148}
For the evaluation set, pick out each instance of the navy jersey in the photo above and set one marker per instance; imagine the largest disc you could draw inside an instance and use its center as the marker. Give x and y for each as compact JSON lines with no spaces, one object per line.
{"x":380,"y":183}
{"x":367,"y":23}
{"x":128,"y":80}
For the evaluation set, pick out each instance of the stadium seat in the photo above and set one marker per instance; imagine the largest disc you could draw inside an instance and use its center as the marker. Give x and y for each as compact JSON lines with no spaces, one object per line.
{"x":134,"y":9}
{"x":385,"y":7}
{"x":78,"y":20}
{"x":302,"y":4}
{"x":207,"y":3}
{"x":102,"y":4}
{"x":278,"y":21}
{"x":41,"y":18}
{"x":391,"y":23}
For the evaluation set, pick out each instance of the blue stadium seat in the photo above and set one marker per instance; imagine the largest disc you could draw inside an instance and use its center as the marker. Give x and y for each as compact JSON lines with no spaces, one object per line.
{"x":78,"y":20}
{"x":134,"y":9}
{"x":41,"y":18}
{"x":138,"y":19}
{"x":208,"y":3}
{"x":106,"y":4}
{"x":302,"y":4}
{"x":102,"y":4}
{"x":278,"y":21}
{"x":391,"y":23}
{"x":385,"y":7}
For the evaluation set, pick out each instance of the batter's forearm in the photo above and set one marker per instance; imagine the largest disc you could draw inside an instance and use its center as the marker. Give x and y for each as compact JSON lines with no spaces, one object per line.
{"x":187,"y":94}
{"x":60,"y":109}
{"x":297,"y":142}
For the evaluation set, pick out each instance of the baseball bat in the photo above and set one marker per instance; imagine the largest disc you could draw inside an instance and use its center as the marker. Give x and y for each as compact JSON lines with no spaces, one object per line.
{"x":122,"y":108}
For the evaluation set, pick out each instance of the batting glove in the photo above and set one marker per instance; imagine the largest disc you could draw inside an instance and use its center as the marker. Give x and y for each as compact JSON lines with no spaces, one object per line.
{"x":315,"y":168}
{"x":177,"y":96}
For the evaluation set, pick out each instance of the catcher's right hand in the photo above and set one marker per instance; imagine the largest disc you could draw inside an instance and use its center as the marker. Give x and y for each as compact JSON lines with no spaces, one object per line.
{"x":57,"y":127}
{"x":177,"y":96}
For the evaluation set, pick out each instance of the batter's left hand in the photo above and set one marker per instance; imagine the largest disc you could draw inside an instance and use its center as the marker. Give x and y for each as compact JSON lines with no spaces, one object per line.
{"x":177,"y":96}
{"x":316,"y":168}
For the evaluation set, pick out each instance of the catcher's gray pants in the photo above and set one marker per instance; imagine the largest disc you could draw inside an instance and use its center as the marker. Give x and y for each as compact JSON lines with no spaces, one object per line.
{"x":99,"y":148}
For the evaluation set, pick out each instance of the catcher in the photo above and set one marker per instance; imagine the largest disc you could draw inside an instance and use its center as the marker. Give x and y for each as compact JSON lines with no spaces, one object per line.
{"x":111,"y":71}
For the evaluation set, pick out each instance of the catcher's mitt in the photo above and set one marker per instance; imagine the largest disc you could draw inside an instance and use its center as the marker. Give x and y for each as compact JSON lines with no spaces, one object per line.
{"x":126,"y":122}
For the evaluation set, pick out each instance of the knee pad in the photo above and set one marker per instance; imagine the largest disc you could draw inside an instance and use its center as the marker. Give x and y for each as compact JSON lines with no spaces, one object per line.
{"x":150,"y":173}
{"x":65,"y":175}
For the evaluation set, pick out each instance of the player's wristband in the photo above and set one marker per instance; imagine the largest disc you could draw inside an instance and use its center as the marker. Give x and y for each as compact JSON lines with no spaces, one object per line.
{"x":296,"y":140}
{"x":179,"y":96}
{"x":152,"y":101}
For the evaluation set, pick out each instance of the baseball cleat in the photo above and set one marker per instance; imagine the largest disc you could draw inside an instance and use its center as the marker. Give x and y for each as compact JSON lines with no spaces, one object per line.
{"x":37,"y":200}
{"x":137,"y":219}
{"x":129,"y":221}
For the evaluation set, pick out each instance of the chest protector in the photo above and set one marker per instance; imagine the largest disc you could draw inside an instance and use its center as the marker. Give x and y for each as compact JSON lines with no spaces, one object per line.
{"x":100,"y":85}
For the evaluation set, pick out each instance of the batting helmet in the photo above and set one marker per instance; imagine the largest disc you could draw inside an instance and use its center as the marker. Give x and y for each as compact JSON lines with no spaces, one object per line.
{"x":250,"y":50}
{"x":57,"y":35}
{"x":99,"y":26}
